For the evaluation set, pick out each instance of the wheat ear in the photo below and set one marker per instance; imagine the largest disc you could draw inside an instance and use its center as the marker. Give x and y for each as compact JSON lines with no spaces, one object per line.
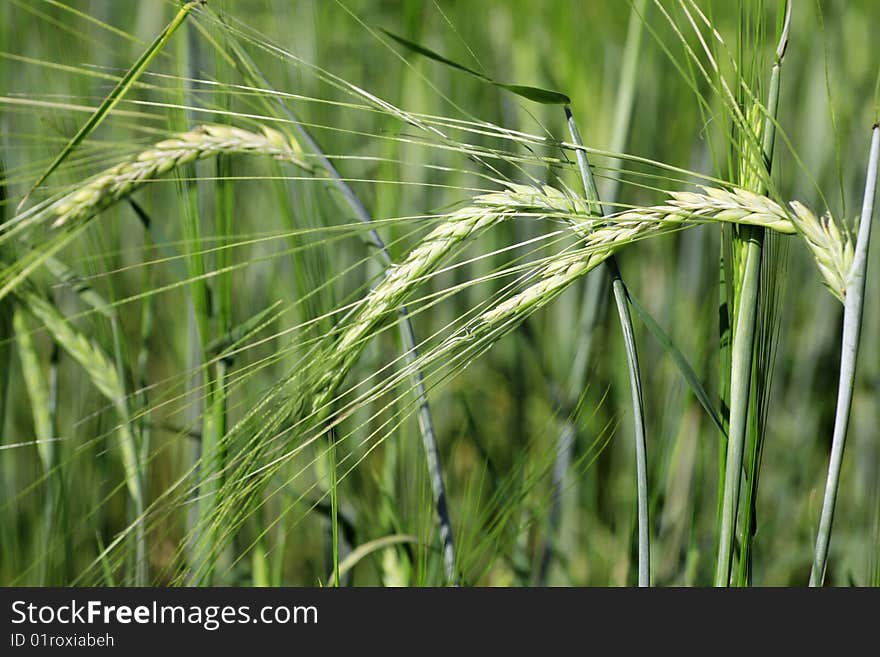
{"x":601,"y":237}
{"x":101,"y":371}
{"x":320,"y":380}
{"x":484,"y":211}
{"x":712,"y":205}
{"x":205,"y":141}
{"x":106,"y":379}
{"x":830,"y":244}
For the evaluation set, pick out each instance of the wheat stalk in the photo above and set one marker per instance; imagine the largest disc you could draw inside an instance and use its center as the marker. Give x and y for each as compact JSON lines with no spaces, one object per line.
{"x":114,"y":184}
{"x":622,"y":302}
{"x":853,"y":310}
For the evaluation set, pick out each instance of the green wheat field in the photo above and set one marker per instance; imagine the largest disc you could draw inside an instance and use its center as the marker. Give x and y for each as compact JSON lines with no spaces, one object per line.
{"x":439,"y":293}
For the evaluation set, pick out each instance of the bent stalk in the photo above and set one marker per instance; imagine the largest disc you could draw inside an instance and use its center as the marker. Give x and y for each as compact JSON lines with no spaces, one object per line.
{"x":621,"y":298}
{"x":854,"y":302}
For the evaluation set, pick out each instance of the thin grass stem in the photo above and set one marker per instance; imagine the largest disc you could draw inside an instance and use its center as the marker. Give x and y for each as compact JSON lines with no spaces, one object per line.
{"x":594,"y":286}
{"x":853,"y":308}
{"x":746,"y":313}
{"x":621,"y":299}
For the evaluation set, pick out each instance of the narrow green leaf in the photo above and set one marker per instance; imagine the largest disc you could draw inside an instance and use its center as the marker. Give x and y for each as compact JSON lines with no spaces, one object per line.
{"x":535,"y":94}
{"x":681,"y":361}
{"x":106,"y":566}
{"x":430,"y":54}
{"x":232,"y":339}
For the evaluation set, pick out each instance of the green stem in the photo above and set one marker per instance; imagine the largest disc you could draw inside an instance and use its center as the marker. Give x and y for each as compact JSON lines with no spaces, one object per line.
{"x":594,"y":286}
{"x":769,"y":140}
{"x":743,"y":341}
{"x":191,"y":190}
{"x":852,"y":324}
{"x":141,"y":564}
{"x":740,"y":381}
{"x":621,"y":298}
{"x":334,"y":508}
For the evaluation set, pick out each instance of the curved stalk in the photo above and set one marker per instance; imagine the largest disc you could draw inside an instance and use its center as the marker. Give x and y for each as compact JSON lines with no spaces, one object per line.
{"x":743,"y":345}
{"x":854,"y":303}
{"x":594,"y":286}
{"x":621,"y":298}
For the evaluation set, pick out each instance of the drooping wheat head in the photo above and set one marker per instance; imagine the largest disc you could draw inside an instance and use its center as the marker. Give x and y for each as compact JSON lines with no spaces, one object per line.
{"x":205,"y":141}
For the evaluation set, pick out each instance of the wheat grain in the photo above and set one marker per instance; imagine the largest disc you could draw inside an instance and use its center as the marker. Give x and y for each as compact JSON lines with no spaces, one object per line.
{"x":485,"y":211}
{"x":830,"y":244}
{"x":114,"y":184}
{"x":601,"y":236}
{"x":714,"y":204}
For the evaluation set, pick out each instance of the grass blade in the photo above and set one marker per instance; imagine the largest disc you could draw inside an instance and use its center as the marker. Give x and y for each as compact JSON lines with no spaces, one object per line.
{"x":535,"y":94}
{"x":681,"y":361}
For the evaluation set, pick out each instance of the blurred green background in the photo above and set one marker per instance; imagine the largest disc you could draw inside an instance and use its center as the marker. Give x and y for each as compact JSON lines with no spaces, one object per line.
{"x":498,"y":421}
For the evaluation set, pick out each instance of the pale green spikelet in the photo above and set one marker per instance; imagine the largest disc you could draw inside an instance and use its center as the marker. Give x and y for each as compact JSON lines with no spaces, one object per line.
{"x":114,"y":184}
{"x":102,"y":373}
{"x":831,"y":245}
